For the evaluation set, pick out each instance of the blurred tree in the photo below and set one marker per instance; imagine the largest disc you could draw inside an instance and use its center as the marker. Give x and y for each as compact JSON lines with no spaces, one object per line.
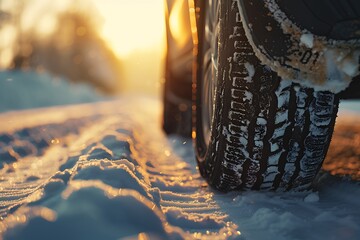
{"x":64,"y":41}
{"x":76,"y":50}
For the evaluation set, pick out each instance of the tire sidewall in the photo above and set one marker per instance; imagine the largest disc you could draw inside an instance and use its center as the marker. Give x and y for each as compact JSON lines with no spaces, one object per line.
{"x":209,"y":156}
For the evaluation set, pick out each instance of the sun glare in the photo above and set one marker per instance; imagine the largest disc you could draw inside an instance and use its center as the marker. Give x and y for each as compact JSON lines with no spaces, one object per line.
{"x":135,"y":30}
{"x":130,"y":25}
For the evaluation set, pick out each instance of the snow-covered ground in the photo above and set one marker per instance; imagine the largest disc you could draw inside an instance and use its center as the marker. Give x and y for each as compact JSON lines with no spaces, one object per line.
{"x":26,"y":90}
{"x":106,"y":171}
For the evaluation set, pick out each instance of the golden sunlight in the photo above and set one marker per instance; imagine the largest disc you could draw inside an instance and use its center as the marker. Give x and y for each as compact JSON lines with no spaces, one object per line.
{"x":132,"y":25}
{"x":104,"y":31}
{"x":135,"y":30}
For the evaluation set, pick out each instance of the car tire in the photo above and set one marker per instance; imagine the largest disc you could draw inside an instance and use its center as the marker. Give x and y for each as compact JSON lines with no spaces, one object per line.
{"x":177,"y":89}
{"x":253,"y":129}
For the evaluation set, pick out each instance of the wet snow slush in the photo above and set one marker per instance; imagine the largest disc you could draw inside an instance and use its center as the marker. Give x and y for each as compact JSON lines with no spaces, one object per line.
{"x":107,"y":171}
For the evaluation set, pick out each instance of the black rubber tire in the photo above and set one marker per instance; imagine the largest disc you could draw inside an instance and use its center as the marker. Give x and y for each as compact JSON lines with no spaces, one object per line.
{"x":177,"y":92}
{"x":176,"y":112}
{"x":266,"y":133}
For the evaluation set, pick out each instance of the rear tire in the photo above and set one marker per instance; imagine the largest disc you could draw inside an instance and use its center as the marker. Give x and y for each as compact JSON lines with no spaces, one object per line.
{"x":177,"y":92}
{"x":265,"y":133}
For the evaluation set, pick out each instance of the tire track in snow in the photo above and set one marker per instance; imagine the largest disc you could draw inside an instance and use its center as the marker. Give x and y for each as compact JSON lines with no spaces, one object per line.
{"x":114,"y":152}
{"x":113,"y":174}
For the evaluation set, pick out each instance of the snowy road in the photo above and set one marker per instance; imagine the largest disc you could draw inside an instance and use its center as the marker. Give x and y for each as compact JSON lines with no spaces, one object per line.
{"x":106,"y":171}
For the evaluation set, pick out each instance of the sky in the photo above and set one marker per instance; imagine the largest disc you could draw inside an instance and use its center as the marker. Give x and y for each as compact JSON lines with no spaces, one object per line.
{"x":135,"y":30}
{"x":131,"y":25}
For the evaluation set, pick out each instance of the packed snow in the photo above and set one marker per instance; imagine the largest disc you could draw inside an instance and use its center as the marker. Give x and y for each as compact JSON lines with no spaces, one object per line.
{"x":106,"y":170}
{"x":307,"y":39}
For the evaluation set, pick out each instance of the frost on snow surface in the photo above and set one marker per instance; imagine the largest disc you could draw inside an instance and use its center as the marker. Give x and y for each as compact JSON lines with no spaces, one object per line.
{"x":105,"y":171}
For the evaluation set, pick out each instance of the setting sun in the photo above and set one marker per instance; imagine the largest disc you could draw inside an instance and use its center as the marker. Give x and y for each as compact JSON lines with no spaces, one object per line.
{"x":132,"y":25}
{"x":135,"y":31}
{"x":130,"y":33}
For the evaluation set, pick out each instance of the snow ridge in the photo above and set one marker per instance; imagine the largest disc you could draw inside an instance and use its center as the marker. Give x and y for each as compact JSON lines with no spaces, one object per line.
{"x":110,"y":176}
{"x":104,"y":173}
